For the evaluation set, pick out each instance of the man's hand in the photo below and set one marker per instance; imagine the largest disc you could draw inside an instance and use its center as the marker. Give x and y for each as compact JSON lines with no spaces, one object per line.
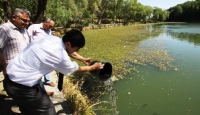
{"x":86,"y":61}
{"x":95,"y":66}
{"x":76,"y":56}
{"x":98,"y":65}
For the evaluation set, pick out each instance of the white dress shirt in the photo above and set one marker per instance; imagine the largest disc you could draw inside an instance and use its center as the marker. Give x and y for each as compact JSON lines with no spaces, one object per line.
{"x":39,"y":58}
{"x":36,"y":31}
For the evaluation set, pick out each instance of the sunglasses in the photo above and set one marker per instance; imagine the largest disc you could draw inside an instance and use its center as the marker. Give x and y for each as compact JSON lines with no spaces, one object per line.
{"x":24,"y":20}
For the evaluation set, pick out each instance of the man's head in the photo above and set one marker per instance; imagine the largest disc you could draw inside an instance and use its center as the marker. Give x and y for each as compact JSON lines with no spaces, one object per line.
{"x":48,"y":24}
{"x":20,"y":18}
{"x":73,"y":40}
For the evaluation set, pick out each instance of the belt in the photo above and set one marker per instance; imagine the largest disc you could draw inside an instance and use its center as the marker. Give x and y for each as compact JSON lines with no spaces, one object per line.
{"x":14,"y":83}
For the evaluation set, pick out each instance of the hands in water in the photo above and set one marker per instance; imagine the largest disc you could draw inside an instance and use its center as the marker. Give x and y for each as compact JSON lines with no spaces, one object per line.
{"x":98,"y":65}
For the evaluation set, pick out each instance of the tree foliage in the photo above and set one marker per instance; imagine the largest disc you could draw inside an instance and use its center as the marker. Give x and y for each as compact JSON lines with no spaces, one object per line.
{"x":187,"y":12}
{"x":83,"y":12}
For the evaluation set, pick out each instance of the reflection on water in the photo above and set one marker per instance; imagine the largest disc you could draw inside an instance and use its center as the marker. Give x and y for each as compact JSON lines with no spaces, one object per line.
{"x":189,"y":33}
{"x":155,"y":92}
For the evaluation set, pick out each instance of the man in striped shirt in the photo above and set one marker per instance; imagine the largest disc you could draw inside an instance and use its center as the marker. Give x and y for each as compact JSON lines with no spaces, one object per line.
{"x":13,"y":34}
{"x":13,"y":37}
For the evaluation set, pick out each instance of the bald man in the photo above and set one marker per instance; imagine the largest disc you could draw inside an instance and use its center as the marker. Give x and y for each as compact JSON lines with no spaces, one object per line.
{"x":38,"y":31}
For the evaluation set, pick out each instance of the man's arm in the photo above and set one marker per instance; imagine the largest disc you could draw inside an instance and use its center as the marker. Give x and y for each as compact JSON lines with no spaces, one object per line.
{"x":76,"y":56}
{"x":2,"y":63}
{"x":81,"y":69}
{"x":95,"y":66}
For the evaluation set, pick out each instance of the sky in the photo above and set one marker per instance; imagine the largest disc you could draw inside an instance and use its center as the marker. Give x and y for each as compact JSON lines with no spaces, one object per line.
{"x":164,"y":4}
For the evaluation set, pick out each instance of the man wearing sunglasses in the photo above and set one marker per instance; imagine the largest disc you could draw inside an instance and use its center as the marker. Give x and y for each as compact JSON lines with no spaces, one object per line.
{"x":13,"y":34}
{"x":13,"y":37}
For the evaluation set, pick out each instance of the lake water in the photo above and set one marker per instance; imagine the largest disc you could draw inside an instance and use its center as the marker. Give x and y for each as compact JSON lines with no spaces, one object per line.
{"x":156,"y":92}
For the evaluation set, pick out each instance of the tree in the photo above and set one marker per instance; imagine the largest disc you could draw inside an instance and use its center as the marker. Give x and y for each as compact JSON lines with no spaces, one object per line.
{"x":58,"y":10}
{"x":102,"y":7}
{"x":127,"y":7}
{"x":40,"y":11}
{"x":6,"y":8}
{"x":178,"y":10}
{"x":92,"y":8}
{"x":159,"y":14}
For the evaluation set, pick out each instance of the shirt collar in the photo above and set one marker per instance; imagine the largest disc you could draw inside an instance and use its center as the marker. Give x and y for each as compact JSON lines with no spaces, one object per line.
{"x":63,"y":44}
{"x":14,"y":27}
{"x":41,"y":27}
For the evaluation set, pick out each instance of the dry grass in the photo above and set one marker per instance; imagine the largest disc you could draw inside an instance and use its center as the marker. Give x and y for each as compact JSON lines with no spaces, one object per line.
{"x":79,"y":103}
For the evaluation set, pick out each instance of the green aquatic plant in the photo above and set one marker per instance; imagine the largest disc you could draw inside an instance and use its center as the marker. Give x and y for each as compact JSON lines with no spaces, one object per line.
{"x":119,"y":47}
{"x":123,"y":49}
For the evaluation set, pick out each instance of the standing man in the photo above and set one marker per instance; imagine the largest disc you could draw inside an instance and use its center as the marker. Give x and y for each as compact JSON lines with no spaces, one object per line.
{"x":13,"y":36}
{"x":37,"y":31}
{"x":37,"y":59}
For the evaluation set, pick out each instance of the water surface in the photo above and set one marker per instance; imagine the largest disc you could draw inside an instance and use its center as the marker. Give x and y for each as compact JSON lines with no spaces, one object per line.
{"x":156,"y":92}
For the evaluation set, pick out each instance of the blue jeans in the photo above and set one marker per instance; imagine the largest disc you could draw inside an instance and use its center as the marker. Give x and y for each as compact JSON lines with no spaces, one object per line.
{"x":41,"y":85}
{"x":47,"y":78}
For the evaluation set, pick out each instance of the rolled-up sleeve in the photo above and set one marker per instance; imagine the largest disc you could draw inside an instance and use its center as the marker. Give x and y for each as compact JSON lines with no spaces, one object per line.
{"x":68,"y":68}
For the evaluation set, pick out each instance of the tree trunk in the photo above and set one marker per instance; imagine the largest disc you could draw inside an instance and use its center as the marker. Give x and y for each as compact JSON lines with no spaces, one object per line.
{"x":7,"y":10}
{"x":40,"y":12}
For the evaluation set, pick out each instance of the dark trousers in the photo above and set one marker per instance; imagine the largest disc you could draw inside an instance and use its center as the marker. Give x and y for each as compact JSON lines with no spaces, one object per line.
{"x":31,"y":100}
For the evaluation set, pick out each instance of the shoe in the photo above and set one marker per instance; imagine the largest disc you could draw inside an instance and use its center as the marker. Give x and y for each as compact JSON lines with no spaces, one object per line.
{"x":15,"y":110}
{"x":50,"y":93}
{"x":51,"y":84}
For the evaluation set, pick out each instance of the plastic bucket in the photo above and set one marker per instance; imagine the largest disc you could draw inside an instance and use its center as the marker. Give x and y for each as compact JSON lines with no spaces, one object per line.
{"x":103,"y":74}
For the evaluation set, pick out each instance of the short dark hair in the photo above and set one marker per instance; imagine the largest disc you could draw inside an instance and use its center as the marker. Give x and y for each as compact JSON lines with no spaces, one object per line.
{"x":75,"y":37}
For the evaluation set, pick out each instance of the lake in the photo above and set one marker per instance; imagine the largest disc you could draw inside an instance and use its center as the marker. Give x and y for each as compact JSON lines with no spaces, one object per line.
{"x":152,"y":91}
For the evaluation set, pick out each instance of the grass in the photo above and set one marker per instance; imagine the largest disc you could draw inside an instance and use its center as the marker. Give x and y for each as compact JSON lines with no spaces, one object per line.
{"x":79,"y":102}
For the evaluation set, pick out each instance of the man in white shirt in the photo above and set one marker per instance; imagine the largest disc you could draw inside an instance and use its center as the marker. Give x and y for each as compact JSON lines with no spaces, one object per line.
{"x":37,"y":31}
{"x":37,"y":59}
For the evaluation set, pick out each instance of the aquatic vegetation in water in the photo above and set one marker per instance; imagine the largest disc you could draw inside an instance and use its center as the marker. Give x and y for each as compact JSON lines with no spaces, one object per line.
{"x":115,"y":46}
{"x":176,"y":69}
{"x":144,"y":105}
{"x":152,"y":52}
{"x":119,"y":46}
